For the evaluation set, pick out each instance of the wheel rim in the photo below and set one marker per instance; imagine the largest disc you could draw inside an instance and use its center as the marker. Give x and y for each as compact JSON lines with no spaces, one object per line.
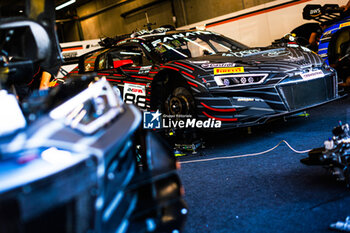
{"x":178,"y":105}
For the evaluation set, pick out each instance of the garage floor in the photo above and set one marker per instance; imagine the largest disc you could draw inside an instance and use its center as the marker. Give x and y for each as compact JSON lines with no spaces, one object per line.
{"x":273,"y":192}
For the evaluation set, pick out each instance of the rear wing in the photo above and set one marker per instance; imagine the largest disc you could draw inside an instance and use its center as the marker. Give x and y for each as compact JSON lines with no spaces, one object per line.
{"x":327,"y":14}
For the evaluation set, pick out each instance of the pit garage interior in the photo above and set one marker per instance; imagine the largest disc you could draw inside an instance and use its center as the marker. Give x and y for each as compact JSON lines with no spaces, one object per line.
{"x":243,"y":179}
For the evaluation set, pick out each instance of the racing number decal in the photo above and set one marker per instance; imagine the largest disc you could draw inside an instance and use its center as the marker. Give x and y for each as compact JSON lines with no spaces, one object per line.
{"x":138,"y":100}
{"x":135,"y":94}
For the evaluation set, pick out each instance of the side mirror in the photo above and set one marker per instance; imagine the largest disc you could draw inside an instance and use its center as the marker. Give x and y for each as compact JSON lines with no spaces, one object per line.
{"x":26,"y":39}
{"x":120,"y":63}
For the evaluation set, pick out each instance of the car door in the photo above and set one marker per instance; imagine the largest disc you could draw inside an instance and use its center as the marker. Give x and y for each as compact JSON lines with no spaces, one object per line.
{"x":129,"y":68}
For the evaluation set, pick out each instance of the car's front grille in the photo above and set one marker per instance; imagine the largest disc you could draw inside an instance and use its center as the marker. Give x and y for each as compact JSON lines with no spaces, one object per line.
{"x":298,"y":95}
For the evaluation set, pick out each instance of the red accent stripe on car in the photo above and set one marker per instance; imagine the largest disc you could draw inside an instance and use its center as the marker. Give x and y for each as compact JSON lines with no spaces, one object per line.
{"x":187,"y":74}
{"x":131,"y":70}
{"x":119,"y":75}
{"x":120,"y":63}
{"x":144,"y":77}
{"x":106,"y":74}
{"x":218,"y":109}
{"x":144,"y":84}
{"x":72,"y":48}
{"x":180,"y":64}
{"x":153,"y":72}
{"x":170,"y":67}
{"x":113,"y":80}
{"x":219,"y":118}
{"x":192,"y":84}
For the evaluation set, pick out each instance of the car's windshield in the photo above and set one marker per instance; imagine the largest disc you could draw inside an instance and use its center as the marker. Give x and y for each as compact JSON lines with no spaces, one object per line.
{"x":193,"y":44}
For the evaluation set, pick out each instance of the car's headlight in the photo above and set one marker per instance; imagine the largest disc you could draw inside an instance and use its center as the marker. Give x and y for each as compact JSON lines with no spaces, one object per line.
{"x":239,"y":80}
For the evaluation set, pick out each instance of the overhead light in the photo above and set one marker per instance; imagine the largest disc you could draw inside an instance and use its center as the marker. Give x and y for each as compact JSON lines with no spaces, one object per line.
{"x":64,"y":5}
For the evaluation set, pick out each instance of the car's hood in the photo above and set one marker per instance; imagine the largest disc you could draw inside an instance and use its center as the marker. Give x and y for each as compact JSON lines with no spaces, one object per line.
{"x":271,"y":59}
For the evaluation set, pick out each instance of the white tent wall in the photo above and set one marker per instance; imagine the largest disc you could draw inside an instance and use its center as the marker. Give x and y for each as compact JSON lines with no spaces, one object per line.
{"x":260,"y":25}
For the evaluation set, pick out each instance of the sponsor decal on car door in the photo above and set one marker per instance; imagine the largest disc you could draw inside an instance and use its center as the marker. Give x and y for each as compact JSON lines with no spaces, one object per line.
{"x":135,"y":94}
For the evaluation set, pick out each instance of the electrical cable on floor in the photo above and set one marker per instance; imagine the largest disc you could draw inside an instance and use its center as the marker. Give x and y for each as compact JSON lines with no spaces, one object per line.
{"x":246,"y":155}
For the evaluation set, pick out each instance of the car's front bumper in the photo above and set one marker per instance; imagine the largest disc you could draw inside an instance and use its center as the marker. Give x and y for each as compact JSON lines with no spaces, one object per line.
{"x":255,"y":105}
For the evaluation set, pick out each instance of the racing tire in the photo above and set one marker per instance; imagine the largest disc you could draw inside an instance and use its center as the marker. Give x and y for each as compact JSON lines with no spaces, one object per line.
{"x":179,"y":102}
{"x":342,"y":65}
{"x":176,"y":99}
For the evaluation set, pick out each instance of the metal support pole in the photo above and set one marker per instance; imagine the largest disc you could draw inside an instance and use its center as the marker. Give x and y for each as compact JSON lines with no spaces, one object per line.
{"x":174,"y":13}
{"x":80,"y":30}
{"x":184,"y":11}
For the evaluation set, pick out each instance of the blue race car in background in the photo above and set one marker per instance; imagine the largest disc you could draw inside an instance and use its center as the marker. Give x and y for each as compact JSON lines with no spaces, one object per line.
{"x":334,"y":45}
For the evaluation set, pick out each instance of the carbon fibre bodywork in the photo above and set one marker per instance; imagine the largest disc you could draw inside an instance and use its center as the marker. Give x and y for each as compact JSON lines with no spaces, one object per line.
{"x":283,"y":90}
{"x":63,"y":173}
{"x":241,"y":86}
{"x":73,"y":159}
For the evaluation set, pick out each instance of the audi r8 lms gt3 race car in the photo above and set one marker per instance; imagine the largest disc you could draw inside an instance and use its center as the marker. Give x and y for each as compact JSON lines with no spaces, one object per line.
{"x":208,"y":75}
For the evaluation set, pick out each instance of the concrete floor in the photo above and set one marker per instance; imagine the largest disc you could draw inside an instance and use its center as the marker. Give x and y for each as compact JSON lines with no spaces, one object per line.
{"x":273,"y":192}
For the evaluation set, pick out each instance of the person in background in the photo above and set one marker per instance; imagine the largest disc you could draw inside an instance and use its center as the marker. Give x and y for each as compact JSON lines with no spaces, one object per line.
{"x":39,"y":81}
{"x":309,"y":34}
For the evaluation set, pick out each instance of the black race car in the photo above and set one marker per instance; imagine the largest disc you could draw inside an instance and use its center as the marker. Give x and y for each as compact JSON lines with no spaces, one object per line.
{"x":207,"y":75}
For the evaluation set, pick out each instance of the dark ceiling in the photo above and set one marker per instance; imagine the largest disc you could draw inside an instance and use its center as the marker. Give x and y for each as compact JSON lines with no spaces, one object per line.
{"x":15,"y":8}
{"x":69,"y":11}
{"x":10,"y":7}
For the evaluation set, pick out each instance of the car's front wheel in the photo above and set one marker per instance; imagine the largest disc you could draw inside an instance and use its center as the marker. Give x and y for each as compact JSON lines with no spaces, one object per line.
{"x":179,"y":102}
